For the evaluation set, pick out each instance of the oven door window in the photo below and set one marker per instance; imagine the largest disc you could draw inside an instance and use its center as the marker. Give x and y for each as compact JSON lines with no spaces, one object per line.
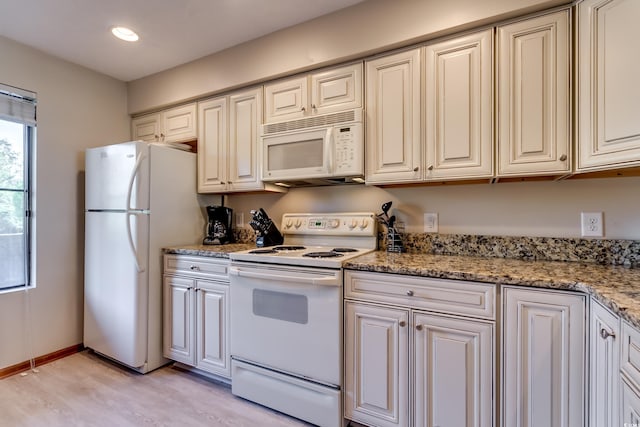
{"x":281,"y":305}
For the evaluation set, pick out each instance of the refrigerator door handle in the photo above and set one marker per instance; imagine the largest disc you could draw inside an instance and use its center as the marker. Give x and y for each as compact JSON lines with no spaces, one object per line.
{"x":132,"y":246}
{"x":134,"y":173}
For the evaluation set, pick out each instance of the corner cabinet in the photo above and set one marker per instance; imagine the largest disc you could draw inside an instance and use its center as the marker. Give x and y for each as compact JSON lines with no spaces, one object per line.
{"x":322,"y":92}
{"x":608,"y":91}
{"x":174,"y":125}
{"x":459,"y":108}
{"x":196,"y":313}
{"x":534,"y":96}
{"x":393,"y":88}
{"x":543,"y":358}
{"x":412,"y":357}
{"x":228,"y":154}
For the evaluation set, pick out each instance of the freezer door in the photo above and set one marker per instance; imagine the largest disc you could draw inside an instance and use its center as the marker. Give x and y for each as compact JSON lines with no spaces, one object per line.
{"x":117,"y":177}
{"x":116,"y":286}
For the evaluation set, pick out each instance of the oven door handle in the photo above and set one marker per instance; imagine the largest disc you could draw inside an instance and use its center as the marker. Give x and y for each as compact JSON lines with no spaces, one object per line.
{"x":333,"y":280}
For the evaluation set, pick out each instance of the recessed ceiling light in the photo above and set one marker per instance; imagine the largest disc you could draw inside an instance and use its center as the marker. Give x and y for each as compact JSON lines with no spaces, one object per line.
{"x":124,"y":33}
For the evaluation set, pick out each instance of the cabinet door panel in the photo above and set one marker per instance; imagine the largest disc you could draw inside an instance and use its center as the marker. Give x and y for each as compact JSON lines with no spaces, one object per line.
{"x":179,"y":124}
{"x":212,"y":145}
{"x":393,"y":118}
{"x":212,"y":320}
{"x":336,"y":89}
{"x":533,"y":96}
{"x":543,"y":358}
{"x":285,"y":100}
{"x":630,"y":405}
{"x":245,"y":116}
{"x":179,"y":326}
{"x":376,"y":365}
{"x":459,"y":107}
{"x":454,"y":371}
{"x":604,"y":367}
{"x":609,"y":96}
{"x":146,"y":128}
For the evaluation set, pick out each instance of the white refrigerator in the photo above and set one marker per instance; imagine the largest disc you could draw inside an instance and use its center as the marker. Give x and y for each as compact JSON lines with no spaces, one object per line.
{"x":139,"y":198}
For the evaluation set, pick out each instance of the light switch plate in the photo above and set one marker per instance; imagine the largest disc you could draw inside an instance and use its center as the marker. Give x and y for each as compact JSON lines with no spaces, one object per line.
{"x":430,"y":222}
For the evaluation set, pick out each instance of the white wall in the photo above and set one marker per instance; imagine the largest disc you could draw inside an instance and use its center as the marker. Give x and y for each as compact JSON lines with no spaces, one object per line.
{"x":363,"y":29}
{"x":543,"y":209}
{"x":77,"y":108}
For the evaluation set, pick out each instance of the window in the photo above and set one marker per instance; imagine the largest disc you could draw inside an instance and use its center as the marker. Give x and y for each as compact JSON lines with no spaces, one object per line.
{"x":17,"y":125}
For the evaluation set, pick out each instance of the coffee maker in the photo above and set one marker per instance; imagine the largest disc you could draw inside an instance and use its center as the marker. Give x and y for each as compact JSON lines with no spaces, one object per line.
{"x":219,"y":226}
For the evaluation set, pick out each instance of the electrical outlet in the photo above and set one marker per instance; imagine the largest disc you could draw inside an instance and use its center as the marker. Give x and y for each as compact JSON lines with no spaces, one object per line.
{"x":240,"y":220}
{"x":430,"y":222}
{"x":592,"y":224}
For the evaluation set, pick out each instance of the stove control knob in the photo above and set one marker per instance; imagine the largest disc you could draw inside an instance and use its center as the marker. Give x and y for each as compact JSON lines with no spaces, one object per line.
{"x":289,"y":223}
{"x":353,"y":224}
{"x":298,"y":223}
{"x":334,"y":223}
{"x":364,"y":224}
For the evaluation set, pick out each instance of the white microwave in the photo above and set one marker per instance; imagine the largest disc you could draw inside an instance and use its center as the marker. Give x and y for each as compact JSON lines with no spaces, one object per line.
{"x":325,"y":149}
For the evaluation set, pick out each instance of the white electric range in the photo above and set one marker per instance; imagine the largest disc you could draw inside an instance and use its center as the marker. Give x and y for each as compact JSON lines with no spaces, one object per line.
{"x":286,"y":314}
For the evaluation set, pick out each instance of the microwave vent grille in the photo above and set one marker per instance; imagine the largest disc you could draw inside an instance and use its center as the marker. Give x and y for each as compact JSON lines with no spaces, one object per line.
{"x":310,"y":122}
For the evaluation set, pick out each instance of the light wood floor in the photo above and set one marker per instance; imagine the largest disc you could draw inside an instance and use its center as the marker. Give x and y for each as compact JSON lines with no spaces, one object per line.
{"x":87,"y":390}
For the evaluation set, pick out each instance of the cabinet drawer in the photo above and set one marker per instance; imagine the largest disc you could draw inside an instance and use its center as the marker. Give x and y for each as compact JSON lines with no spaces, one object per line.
{"x":441,"y":295}
{"x":631,"y":353}
{"x":197,"y":266}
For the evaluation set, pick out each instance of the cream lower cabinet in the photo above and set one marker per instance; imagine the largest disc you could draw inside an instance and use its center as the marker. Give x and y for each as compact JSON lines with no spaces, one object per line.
{"x":196,"y":313}
{"x":630,"y":374}
{"x":608,"y":92}
{"x":405,"y":365}
{"x":543,"y":358}
{"x":604,"y":367}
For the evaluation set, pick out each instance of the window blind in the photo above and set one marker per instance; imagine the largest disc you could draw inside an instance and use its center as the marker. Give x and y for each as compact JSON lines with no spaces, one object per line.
{"x":17,"y":105}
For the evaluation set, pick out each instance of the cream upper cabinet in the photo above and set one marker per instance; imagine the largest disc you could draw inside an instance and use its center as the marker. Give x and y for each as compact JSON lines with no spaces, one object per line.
{"x":174,"y":125}
{"x":212,"y":145}
{"x":534,"y":96}
{"x":543,"y":363}
{"x":228,"y":154}
{"x":393,"y":118}
{"x":458,"y":94}
{"x":322,"y":92}
{"x":608,"y":90}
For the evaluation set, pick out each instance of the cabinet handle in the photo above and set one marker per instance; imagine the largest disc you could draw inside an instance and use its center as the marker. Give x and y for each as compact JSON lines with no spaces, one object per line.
{"x":313,"y":106}
{"x":418,"y":327}
{"x":416,"y":169}
{"x":606,"y":334}
{"x":402,"y":323}
{"x":194,"y":268}
{"x":222,"y":182}
{"x":410,"y":293}
{"x":156,"y":136}
{"x":563,"y":157}
{"x":430,"y":167}
{"x":303,"y":109}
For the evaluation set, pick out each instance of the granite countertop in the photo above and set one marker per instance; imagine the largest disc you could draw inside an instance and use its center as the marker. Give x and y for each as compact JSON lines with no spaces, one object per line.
{"x":616,"y":287}
{"x":213,"y":251}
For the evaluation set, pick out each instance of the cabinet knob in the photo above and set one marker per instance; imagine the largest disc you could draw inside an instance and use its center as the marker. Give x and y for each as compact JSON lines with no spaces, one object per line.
{"x":402,"y":323}
{"x":416,"y":169}
{"x":314,"y":106}
{"x":194,"y":268}
{"x":303,"y":109}
{"x":563,"y":157}
{"x":606,"y":334}
{"x":430,"y":167}
{"x":418,"y":327}
{"x":410,"y":293}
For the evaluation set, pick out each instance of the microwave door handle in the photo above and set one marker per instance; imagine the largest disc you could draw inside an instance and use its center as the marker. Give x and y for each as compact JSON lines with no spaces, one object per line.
{"x":329,"y":147}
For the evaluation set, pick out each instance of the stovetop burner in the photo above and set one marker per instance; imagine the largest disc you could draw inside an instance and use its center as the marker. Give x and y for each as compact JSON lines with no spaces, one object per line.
{"x":329,"y":254}
{"x":344,"y":250}
{"x":263,"y":251}
{"x":288,"y":248}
